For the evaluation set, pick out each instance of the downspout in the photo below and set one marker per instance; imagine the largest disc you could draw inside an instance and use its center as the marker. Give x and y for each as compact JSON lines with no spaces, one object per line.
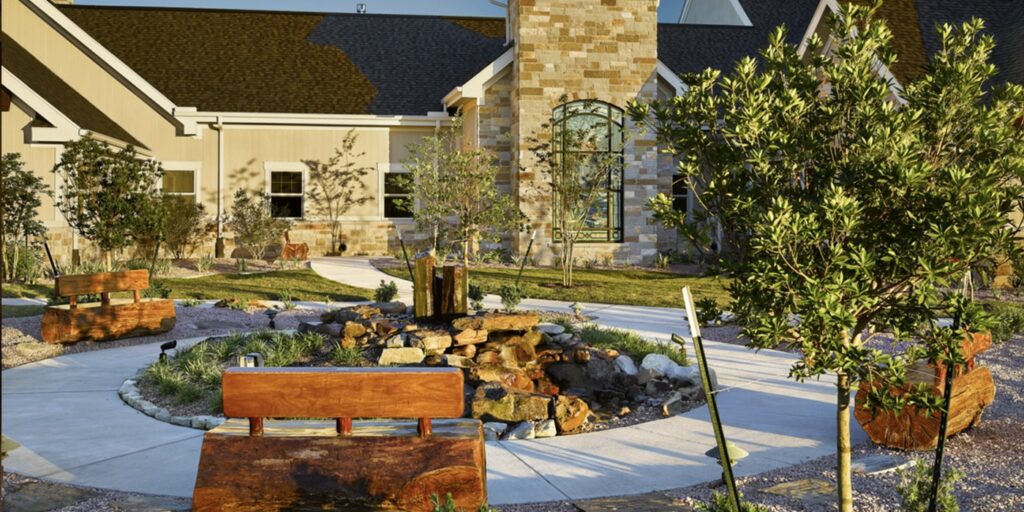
{"x":219,"y":247}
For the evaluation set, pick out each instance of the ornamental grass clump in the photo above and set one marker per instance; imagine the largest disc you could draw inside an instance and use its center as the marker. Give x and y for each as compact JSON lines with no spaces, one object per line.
{"x":850,"y":206}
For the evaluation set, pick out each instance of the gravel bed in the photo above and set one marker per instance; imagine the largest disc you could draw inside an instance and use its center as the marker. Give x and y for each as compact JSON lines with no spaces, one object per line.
{"x":21,"y":343}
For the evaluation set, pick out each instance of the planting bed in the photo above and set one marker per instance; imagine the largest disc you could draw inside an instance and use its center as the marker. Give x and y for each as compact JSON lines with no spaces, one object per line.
{"x":525,"y":378}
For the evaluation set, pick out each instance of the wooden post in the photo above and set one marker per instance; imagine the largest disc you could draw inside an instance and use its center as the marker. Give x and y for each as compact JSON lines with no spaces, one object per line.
{"x":423,"y":287}
{"x":453,"y":291}
{"x":344,"y":426}
{"x":425,"y":428}
{"x":255,"y":427}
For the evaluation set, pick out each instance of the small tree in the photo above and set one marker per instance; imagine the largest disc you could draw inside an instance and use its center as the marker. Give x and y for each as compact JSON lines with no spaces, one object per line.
{"x":254,"y":226}
{"x":103,"y":191}
{"x":337,"y":185}
{"x":461,"y":200}
{"x":18,"y":221}
{"x":851,"y":212}
{"x":579,"y":168}
{"x":184,"y":226}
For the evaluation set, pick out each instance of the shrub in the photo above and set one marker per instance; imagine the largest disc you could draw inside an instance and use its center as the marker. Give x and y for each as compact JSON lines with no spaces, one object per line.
{"x":23,"y":261}
{"x":287,"y":298}
{"x":511,"y":296}
{"x":241,"y":265}
{"x":915,"y":488}
{"x":476,"y":296}
{"x":158,"y":289}
{"x":708,"y":311}
{"x":254,"y":225}
{"x":185,"y":224}
{"x":663,"y":261}
{"x":449,"y":505}
{"x":204,"y":263}
{"x":1008,"y":321}
{"x":191,"y":302}
{"x":385,"y":292}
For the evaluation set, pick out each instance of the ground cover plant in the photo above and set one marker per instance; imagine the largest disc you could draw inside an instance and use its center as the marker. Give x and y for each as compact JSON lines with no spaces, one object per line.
{"x":632,"y":286}
{"x":848,"y":210}
{"x":194,"y":373}
{"x":630,"y":343}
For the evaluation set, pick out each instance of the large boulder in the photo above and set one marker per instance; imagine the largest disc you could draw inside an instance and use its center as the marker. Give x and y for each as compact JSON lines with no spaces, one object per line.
{"x":470,"y":337}
{"x":354,"y":330}
{"x":496,"y":322}
{"x":568,"y":375}
{"x":550,"y":329}
{"x":494,"y":402}
{"x":571,"y":413}
{"x":390,"y":308}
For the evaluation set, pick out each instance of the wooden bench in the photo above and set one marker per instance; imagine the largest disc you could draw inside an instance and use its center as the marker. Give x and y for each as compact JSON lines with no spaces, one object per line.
{"x":110,"y":318}
{"x":253,"y":463}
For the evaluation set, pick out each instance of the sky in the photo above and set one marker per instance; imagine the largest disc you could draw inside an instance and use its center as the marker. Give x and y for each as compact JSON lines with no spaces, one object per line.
{"x":668,"y":11}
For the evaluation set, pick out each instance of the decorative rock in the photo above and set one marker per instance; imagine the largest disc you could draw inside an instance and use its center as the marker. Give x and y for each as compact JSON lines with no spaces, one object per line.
{"x":879,"y":464}
{"x":386,"y":328}
{"x":459,"y":361}
{"x":162,"y":415}
{"x":405,"y":355}
{"x":562,"y":338}
{"x":544,"y":386}
{"x":517,"y":353}
{"x":626,"y":365}
{"x":432,"y":342}
{"x":148,"y":408}
{"x":390,"y":308}
{"x":330,"y":330}
{"x":646,"y":375}
{"x":659,"y":363}
{"x":570,"y":413}
{"x":544,"y":429}
{"x":466,"y":351}
{"x":523,"y":430}
{"x":512,"y":378}
{"x":309,"y":326}
{"x":656,"y":386}
{"x":673,"y":405}
{"x":497,"y":427}
{"x":497,"y":322}
{"x":488,"y":357}
{"x":495,"y":402}
{"x":550,"y":329}
{"x":568,"y":375}
{"x":396,"y":341}
{"x":353,"y":330}
{"x":181,"y":421}
{"x":470,"y":337}
{"x":601,"y":371}
{"x":489,"y":435}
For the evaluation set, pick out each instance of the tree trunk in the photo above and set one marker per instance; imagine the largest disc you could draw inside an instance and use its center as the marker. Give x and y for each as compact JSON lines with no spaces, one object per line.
{"x":107,"y":261}
{"x":3,"y":256}
{"x":843,"y":478}
{"x":14,"y":263}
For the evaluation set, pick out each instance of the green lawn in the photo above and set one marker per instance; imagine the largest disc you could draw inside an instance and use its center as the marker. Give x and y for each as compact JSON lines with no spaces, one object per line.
{"x":300,"y":284}
{"x":27,"y":291}
{"x":16,"y":311}
{"x":638,"y":287}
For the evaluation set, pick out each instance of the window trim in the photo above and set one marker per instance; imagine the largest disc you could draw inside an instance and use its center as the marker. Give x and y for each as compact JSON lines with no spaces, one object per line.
{"x":615,"y":235}
{"x":385,"y":169}
{"x":270,"y":167}
{"x":175,"y":165}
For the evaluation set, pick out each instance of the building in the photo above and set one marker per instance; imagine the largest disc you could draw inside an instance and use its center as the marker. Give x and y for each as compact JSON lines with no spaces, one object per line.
{"x":239,"y":99}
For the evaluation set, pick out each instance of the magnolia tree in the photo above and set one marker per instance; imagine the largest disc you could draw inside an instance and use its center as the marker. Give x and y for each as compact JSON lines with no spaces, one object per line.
{"x":578,"y":165}
{"x":455,"y":189}
{"x":338,"y":185}
{"x":109,"y":196}
{"x":852,"y":208}
{"x":21,"y":191}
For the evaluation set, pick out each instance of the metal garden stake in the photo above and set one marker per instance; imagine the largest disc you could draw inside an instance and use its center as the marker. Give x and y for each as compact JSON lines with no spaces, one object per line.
{"x":716,"y":422}
{"x":526,"y":257}
{"x":405,"y":254}
{"x":944,"y":421}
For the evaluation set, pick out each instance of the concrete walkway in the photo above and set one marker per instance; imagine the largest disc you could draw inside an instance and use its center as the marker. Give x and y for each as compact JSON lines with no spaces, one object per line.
{"x":73,"y":427}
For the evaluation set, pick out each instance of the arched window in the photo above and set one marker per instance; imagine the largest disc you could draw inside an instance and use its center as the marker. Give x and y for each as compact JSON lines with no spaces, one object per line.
{"x":587,"y":141}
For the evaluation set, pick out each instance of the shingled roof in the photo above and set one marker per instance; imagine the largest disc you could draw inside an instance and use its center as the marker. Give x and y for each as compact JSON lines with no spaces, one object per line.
{"x":254,"y":61}
{"x":58,"y":93}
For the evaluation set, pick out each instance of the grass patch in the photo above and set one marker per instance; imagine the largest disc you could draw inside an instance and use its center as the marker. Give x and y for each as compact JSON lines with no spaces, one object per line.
{"x":351,"y":356}
{"x":18,"y":311}
{"x":27,"y":291}
{"x":630,"y":343}
{"x":194,"y":373}
{"x":638,"y":287}
{"x":301,"y":284}
{"x":1008,"y":321}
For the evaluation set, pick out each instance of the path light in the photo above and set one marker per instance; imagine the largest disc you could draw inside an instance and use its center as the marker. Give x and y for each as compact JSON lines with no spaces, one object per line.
{"x":735,"y":452}
{"x":251,"y":360}
{"x":170,"y":345}
{"x":271,"y":313}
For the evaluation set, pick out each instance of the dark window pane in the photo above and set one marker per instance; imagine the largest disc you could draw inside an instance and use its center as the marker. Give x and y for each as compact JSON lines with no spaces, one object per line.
{"x":286,"y":183}
{"x":679,"y":203}
{"x":397,"y":184}
{"x":397,"y":207}
{"x":286,"y":206}
{"x":680,"y":187}
{"x":179,"y":182}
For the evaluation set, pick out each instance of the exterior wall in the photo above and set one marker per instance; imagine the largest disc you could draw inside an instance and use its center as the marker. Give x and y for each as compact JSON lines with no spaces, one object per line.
{"x":589,"y":49}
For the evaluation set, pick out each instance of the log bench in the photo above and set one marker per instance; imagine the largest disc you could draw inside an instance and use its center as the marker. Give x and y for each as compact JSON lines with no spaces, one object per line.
{"x":110,"y":318}
{"x":910,"y":429}
{"x":252,"y":462}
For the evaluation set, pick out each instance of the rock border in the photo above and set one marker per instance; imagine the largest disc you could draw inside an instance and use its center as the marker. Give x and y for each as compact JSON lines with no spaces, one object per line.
{"x":131,"y":396}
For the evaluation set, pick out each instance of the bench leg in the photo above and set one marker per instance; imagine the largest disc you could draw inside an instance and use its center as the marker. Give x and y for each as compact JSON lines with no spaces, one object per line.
{"x":425,"y":428}
{"x":344,"y":426}
{"x":255,"y":427}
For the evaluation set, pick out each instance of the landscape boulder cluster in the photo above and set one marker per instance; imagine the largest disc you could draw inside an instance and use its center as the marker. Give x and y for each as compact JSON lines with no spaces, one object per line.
{"x":524,"y":378}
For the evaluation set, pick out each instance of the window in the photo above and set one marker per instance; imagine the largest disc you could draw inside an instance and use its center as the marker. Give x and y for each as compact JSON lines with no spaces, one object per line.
{"x":286,"y":194}
{"x":397,"y":195}
{"x":588,"y":134}
{"x":680,"y":194}
{"x":180,"y":181}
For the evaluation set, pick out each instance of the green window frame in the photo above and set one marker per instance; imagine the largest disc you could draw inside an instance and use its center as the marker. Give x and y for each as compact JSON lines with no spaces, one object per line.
{"x":605,"y":123}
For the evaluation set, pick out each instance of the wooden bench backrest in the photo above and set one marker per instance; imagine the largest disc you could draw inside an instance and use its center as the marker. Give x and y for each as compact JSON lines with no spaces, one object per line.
{"x":342,"y":393}
{"x":103,"y":282}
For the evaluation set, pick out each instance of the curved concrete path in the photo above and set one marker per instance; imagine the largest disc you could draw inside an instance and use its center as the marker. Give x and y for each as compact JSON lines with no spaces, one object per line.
{"x":74,"y":428}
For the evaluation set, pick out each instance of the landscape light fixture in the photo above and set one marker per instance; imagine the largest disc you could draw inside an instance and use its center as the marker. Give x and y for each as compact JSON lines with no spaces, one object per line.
{"x":271,"y":313}
{"x":170,"y":345}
